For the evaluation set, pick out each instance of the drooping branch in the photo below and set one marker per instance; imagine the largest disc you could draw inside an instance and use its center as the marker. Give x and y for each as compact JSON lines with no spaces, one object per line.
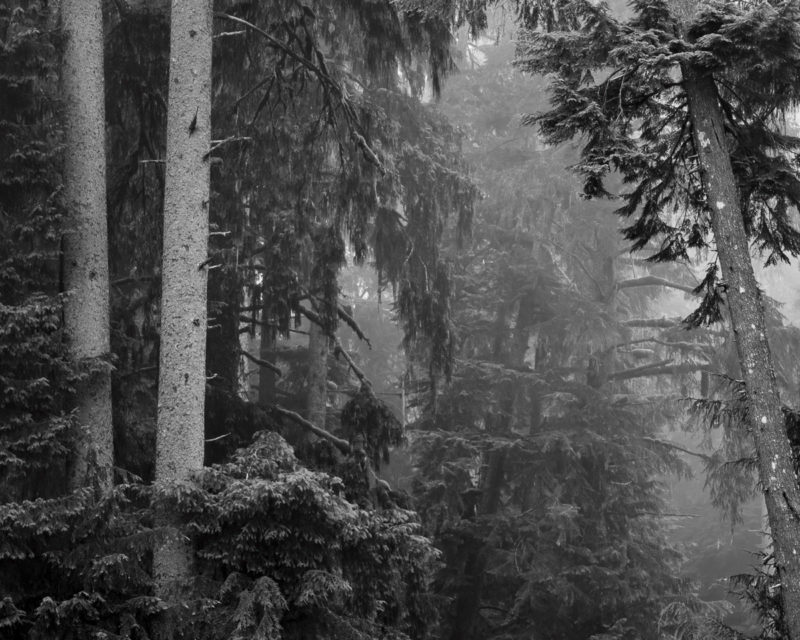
{"x":339,"y":443}
{"x":681,"y":346}
{"x":362,"y":378}
{"x":330,"y":85}
{"x":261,"y":363}
{"x":671,"y":445}
{"x":653,"y":323}
{"x":663,"y":367}
{"x":653,"y":281}
{"x":350,"y":322}
{"x":311,"y":315}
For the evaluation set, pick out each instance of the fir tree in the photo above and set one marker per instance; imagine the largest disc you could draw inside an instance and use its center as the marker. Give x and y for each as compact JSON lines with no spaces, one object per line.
{"x":686,"y":104}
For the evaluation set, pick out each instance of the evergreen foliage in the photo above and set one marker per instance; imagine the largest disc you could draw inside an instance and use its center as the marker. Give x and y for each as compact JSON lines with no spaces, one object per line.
{"x":614,"y":81}
{"x":36,"y":377}
{"x":538,"y":462}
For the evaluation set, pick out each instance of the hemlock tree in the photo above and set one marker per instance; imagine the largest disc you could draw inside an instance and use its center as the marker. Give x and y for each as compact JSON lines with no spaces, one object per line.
{"x":687,"y":105}
{"x":182,"y":377}
{"x":85,"y":241}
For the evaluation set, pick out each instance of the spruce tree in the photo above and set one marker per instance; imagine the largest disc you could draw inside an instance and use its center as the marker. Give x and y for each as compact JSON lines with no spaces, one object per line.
{"x":686,"y":104}
{"x":86,"y":308}
{"x":182,"y":372}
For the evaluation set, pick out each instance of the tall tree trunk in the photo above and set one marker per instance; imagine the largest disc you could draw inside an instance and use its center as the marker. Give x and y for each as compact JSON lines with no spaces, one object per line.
{"x":765,"y":417}
{"x":182,"y":367}
{"x":86,"y":310}
{"x":316,"y":400}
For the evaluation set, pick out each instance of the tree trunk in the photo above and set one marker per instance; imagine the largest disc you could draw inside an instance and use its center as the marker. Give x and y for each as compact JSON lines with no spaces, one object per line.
{"x":266,"y":377}
{"x":477,"y":552}
{"x":182,"y":367}
{"x":316,"y":400}
{"x":765,"y":417}
{"x":86,"y":310}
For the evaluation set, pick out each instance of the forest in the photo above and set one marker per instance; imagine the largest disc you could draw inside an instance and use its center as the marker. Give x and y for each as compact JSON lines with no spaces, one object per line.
{"x":399,"y":319}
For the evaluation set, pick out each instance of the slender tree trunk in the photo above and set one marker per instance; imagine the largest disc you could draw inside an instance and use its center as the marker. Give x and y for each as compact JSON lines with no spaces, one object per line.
{"x":266,"y":378}
{"x":182,"y":367}
{"x":86,"y":310}
{"x":316,"y":400}
{"x":765,"y":417}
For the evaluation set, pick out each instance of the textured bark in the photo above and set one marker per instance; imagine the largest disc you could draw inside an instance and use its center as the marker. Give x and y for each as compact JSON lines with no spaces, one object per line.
{"x":86,"y":310}
{"x":765,"y":417}
{"x":316,"y":400}
{"x":182,"y":367}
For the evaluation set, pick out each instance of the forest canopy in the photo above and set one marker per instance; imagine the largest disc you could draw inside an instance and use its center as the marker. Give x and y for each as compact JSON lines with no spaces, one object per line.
{"x":370,"y":319}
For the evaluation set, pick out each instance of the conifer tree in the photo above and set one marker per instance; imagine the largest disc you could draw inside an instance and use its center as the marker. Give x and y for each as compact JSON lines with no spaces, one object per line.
{"x":182,"y":373}
{"x":86,"y":308}
{"x":686,"y":104}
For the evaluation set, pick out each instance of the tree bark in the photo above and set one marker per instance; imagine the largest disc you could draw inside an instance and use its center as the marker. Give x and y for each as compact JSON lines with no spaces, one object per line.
{"x":182,"y":367}
{"x":765,"y":417}
{"x":86,"y":309}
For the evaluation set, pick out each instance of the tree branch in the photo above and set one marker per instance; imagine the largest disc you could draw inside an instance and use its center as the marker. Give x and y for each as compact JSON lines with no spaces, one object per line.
{"x":653,"y":323}
{"x":339,"y":443}
{"x":653,"y":281}
{"x":350,"y":322}
{"x":670,"y":445}
{"x":362,"y":378}
{"x":261,"y":363}
{"x":659,"y":368}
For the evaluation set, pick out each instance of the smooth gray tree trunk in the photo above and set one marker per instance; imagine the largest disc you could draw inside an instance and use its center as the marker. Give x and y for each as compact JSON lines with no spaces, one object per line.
{"x":86,"y":310}
{"x":182,"y":366}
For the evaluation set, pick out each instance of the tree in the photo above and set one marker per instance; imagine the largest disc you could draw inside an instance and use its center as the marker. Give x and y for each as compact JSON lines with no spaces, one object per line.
{"x":86,"y":308}
{"x":538,"y":462}
{"x":681,"y":118}
{"x":182,"y":367}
